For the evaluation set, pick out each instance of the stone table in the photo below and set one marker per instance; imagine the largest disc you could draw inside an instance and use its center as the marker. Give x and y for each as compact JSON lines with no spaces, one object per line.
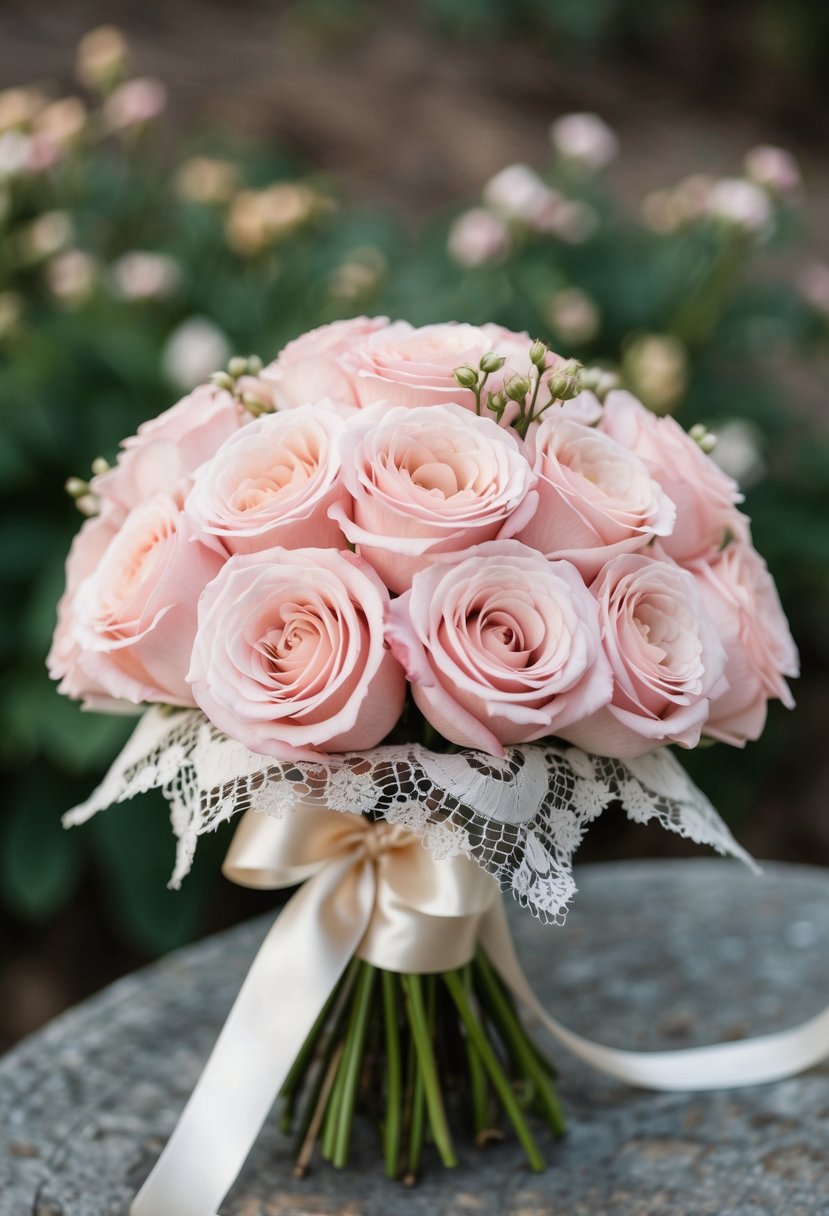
{"x":654,"y":954}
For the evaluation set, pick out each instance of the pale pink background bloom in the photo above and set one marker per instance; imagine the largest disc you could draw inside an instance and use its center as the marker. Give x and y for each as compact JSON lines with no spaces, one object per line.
{"x":776,"y":169}
{"x":741,"y":203}
{"x":668,"y":662}
{"x":428,"y":480}
{"x":194,"y":350}
{"x":290,"y":657}
{"x":145,"y":275}
{"x":500,"y":645}
{"x":518,"y":193}
{"x":134,"y":103}
{"x":478,"y":238}
{"x":585,"y":138}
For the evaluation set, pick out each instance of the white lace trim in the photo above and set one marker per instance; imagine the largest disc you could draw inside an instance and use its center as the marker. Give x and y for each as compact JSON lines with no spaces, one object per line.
{"x":521,"y":818}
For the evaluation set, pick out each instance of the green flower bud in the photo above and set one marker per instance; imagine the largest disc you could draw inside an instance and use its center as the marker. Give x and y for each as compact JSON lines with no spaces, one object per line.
{"x":516,"y":386}
{"x":222,"y":380}
{"x":608,"y":381}
{"x":697,"y":432}
{"x":254,"y":365}
{"x":76,"y":487}
{"x":565,"y":381}
{"x":466,"y":376}
{"x":255,"y":405}
{"x":100,"y":466}
{"x":88,"y":505}
{"x":591,"y":378}
{"x":538,"y":353}
{"x":237,"y":366}
{"x":599,"y":380}
{"x":496,"y":402}
{"x":491,"y":362}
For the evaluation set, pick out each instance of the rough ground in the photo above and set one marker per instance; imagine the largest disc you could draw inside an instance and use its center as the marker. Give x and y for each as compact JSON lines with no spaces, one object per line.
{"x":654,"y":955}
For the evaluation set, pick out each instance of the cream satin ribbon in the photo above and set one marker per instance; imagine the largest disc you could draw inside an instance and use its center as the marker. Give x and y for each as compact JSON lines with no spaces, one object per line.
{"x":373,"y":890}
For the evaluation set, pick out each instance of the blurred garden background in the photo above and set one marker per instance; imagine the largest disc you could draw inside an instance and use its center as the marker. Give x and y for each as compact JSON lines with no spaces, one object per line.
{"x":643,"y":185}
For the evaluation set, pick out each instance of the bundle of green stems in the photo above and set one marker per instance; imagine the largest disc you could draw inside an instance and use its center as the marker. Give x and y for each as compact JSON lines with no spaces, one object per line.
{"x":419,"y":1056}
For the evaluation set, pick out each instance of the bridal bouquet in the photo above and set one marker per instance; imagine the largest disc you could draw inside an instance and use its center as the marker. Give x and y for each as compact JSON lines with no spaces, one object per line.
{"x":403,"y":588}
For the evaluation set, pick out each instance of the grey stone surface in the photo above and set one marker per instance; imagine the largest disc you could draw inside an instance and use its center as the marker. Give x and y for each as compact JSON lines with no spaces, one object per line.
{"x":654,"y":954}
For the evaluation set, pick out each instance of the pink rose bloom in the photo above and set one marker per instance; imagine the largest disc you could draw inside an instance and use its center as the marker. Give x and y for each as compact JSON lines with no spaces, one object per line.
{"x":87,"y":550}
{"x":290,"y":657}
{"x":429,"y":480}
{"x":412,"y":367}
{"x":272,"y":483}
{"x":135,"y":615}
{"x":705,"y":497}
{"x":478,"y":238}
{"x":167,"y":450}
{"x":742,"y":600}
{"x":310,"y":368}
{"x":596,"y":499}
{"x":665,"y":654}
{"x":501,"y":646}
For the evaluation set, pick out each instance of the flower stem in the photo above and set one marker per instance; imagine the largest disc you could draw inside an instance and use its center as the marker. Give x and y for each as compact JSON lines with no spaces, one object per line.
{"x":317,"y":1112}
{"x":417,"y":1118}
{"x":394,"y":1086}
{"x":293,"y":1082}
{"x":355,"y":1041}
{"x":427,"y":1069}
{"x":331,"y":1047}
{"x":519,"y":1045}
{"x":496,"y":1074}
{"x":477,"y":1076}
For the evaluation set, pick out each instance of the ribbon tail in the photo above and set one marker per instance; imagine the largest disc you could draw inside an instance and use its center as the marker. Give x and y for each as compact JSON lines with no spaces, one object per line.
{"x":755,"y":1061}
{"x":291,"y":978}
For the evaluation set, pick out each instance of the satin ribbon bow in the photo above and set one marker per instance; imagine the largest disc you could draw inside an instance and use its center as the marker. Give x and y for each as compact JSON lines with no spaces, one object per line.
{"x":370,"y":889}
{"x":373,"y":890}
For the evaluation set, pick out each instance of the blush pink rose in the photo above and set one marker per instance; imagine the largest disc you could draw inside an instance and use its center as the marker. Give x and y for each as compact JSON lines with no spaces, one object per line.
{"x":290,"y":657}
{"x":596,"y":499}
{"x":705,"y":496}
{"x":164,"y":453}
{"x":135,"y":615}
{"x":310,"y":367}
{"x":742,"y":600}
{"x":409,"y":366}
{"x":428,"y":480}
{"x":500,"y":646}
{"x":63,"y":661}
{"x":666,"y":657}
{"x":272,"y":483}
